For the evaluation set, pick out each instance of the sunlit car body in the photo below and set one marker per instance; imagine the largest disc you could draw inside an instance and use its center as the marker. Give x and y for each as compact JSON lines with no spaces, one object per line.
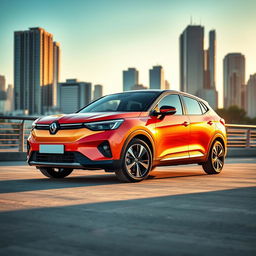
{"x":130,"y":133}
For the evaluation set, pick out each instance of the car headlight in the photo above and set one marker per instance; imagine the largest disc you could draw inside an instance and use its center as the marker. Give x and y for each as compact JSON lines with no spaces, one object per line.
{"x":104,"y":125}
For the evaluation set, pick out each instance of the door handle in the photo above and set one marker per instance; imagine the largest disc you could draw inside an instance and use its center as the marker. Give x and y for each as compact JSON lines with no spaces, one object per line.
{"x":210,"y":122}
{"x":185,"y":123}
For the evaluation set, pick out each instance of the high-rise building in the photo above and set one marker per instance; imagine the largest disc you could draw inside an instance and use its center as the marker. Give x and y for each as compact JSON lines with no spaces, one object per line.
{"x":234,"y":79}
{"x":212,"y":59}
{"x":251,"y":96}
{"x":2,"y":83}
{"x":197,"y":66}
{"x":73,"y":95}
{"x":192,"y":59}
{"x":156,"y":78}
{"x":56,"y":71}
{"x":36,"y":70}
{"x":9,"y":102}
{"x":3,"y":96}
{"x":130,"y":78}
{"x":209,"y":92}
{"x":98,"y":91}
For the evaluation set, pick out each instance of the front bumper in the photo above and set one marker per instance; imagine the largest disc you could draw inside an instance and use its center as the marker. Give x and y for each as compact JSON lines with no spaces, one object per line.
{"x":74,"y":160}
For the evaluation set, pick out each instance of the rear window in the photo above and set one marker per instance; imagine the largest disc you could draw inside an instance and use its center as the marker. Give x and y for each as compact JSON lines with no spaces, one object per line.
{"x":193,"y":106}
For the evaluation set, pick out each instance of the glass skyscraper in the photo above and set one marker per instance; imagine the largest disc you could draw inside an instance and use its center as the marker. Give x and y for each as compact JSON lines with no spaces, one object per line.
{"x":36,"y":71}
{"x":192,"y":59}
{"x":156,"y":78}
{"x":234,"y":80}
{"x":197,"y":66}
{"x":73,"y":95}
{"x":130,"y":78}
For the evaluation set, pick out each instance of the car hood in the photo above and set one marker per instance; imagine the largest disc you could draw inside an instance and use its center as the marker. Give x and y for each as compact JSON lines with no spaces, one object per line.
{"x":86,"y":117}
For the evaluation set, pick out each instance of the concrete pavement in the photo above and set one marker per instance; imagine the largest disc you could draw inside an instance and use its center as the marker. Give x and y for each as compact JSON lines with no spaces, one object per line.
{"x":177,"y":211}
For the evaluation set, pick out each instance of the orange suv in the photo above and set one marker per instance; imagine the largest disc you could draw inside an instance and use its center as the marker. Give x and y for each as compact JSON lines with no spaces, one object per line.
{"x":130,"y":133}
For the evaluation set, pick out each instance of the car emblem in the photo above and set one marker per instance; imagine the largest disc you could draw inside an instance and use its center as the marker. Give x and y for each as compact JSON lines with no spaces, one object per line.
{"x":53,"y":128}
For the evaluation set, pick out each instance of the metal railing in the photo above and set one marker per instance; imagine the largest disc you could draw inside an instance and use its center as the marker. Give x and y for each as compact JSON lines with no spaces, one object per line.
{"x":241,"y":136}
{"x":14,"y":132}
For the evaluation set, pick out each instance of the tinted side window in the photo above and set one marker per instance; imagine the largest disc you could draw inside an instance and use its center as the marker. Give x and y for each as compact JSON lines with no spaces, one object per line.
{"x":193,"y":106}
{"x":171,"y":100}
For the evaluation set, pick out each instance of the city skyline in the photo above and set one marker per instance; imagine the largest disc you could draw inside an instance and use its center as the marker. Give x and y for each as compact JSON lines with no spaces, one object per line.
{"x":143,"y":40}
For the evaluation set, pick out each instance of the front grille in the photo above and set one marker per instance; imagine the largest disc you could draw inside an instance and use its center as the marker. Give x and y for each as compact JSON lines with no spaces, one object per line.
{"x":61,"y":126}
{"x":67,"y":157}
{"x":42,"y":127}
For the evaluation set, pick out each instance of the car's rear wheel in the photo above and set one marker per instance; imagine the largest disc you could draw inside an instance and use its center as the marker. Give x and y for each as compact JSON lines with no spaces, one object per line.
{"x":136,"y":162}
{"x":55,"y":172}
{"x":215,"y":161}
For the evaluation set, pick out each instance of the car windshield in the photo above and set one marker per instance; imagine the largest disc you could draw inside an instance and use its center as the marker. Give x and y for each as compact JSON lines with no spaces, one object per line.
{"x":123,"y":102}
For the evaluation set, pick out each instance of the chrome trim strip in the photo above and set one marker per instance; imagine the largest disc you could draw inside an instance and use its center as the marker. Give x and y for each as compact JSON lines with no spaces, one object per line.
{"x":197,"y":155}
{"x":182,"y":157}
{"x":175,"y":158}
{"x":55,"y":164}
{"x":74,"y":124}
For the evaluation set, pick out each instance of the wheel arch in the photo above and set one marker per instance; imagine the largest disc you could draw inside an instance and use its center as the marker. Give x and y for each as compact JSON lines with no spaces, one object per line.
{"x":142,"y":135}
{"x":219,"y":137}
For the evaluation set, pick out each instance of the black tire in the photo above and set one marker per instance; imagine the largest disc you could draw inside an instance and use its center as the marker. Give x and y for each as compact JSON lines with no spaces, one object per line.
{"x":215,"y":161}
{"x":136,"y":162}
{"x":55,"y":172}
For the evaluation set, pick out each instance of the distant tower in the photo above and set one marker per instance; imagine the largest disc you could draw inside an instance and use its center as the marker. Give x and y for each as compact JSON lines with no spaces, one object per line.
{"x":98,"y":91}
{"x":156,"y":78}
{"x":197,"y":66}
{"x":251,"y":96}
{"x":192,"y":59}
{"x":74,"y":95}
{"x":130,"y":78}
{"x":56,"y":72}
{"x":209,"y":92}
{"x":2,"y":83}
{"x":167,"y":85}
{"x":234,"y":79}
{"x":139,"y":87}
{"x":212,"y":58}
{"x":36,"y":70}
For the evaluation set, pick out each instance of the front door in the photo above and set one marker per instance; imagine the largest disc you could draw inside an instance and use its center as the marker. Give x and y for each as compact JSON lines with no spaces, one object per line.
{"x":172,"y":131}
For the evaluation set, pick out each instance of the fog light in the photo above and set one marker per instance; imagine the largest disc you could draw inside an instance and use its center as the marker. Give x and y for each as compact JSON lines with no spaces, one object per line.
{"x":105,"y":149}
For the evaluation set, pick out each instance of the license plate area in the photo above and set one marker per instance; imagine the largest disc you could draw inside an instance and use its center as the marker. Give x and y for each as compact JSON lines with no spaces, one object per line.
{"x":51,"y":149}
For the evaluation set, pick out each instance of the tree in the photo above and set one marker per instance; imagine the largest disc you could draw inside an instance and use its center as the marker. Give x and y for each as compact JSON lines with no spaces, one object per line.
{"x":235,"y":115}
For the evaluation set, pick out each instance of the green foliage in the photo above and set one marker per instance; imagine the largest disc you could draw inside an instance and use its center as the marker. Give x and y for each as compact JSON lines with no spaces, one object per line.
{"x":235,"y":115}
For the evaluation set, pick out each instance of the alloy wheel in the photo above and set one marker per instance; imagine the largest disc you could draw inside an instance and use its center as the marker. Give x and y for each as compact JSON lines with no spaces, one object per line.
{"x":217,"y":156}
{"x":137,"y":161}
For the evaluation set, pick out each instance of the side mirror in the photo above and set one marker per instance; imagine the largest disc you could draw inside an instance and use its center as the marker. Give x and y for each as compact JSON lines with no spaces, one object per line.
{"x":164,"y":111}
{"x":167,"y":110}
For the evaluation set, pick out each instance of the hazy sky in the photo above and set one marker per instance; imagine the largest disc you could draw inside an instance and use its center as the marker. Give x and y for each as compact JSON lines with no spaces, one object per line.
{"x":101,"y":38}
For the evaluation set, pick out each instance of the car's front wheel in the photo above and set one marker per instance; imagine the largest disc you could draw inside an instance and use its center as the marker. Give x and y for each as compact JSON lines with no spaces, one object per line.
{"x":55,"y":172}
{"x":136,"y":162}
{"x":215,"y":161}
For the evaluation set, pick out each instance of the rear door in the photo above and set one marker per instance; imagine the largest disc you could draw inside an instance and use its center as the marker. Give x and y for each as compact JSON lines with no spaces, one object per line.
{"x":172,"y":131}
{"x":202,"y":127}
